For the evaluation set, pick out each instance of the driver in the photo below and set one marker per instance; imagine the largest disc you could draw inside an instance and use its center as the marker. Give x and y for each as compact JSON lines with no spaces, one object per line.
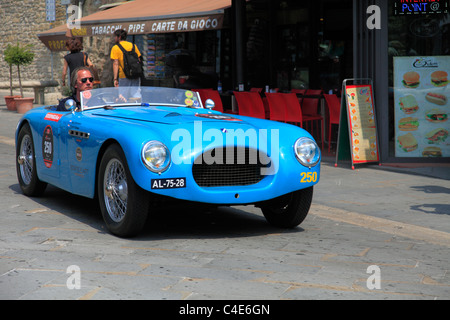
{"x":81,"y":80}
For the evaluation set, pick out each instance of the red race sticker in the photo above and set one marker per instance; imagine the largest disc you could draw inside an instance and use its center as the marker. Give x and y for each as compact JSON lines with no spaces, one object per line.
{"x":53,"y":116}
{"x":47,"y":146}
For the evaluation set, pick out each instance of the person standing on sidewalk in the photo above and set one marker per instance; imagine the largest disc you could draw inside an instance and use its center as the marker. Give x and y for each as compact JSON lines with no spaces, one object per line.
{"x":117,"y":57}
{"x":76,"y":58}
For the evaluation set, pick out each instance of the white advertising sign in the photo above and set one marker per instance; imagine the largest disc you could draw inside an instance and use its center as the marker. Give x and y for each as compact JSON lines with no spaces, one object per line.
{"x":421,"y":106}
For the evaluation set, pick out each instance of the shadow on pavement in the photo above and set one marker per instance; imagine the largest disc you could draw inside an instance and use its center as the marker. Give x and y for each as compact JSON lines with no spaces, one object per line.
{"x":183,"y":220}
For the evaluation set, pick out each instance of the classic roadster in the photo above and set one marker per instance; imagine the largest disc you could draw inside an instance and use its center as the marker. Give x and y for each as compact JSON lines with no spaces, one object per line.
{"x":163,"y":144}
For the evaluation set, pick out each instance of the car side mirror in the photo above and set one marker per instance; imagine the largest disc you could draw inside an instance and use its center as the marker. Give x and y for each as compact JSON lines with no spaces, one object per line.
{"x":70,"y":105}
{"x":209,"y":104}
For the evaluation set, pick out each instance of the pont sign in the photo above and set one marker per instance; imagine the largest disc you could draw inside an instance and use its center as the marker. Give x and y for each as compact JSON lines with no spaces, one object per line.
{"x":409,"y":7}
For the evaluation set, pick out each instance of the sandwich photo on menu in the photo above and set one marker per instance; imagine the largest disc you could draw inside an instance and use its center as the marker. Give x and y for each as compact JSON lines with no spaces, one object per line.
{"x":436,"y":115}
{"x":411,"y":79}
{"x":407,"y":142}
{"x":439,"y":78}
{"x":408,"y":104}
{"x":436,"y":98}
{"x":408,"y":124}
{"x":432,"y":152}
{"x":437,"y":135}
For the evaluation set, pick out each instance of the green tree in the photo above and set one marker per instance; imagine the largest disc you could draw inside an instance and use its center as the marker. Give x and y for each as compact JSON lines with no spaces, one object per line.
{"x":20,"y":56}
{"x":7,"y":54}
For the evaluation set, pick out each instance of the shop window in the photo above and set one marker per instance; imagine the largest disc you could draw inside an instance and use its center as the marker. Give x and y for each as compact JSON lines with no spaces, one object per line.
{"x":419,"y":64}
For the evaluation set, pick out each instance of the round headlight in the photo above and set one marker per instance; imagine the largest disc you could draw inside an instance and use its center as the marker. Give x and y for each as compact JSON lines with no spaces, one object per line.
{"x":307,"y":152}
{"x":155,"y":156}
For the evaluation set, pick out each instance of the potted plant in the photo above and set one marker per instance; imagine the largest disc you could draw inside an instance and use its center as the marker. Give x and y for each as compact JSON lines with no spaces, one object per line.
{"x":21,"y":56}
{"x":8,"y":56}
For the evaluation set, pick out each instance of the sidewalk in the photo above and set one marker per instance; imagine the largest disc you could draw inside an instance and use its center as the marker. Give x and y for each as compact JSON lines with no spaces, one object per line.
{"x":435,"y":170}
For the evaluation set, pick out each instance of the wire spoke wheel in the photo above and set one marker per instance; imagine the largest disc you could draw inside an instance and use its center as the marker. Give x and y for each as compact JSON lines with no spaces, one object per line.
{"x":26,"y":168}
{"x":123,"y":203}
{"x":25,"y":159}
{"x":115,"y":190}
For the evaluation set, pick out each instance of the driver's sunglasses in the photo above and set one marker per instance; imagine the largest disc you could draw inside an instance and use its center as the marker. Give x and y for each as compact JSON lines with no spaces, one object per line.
{"x":84,"y":80}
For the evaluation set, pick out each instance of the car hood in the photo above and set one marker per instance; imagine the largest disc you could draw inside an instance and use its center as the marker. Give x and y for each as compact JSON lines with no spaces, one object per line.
{"x":167,"y":115}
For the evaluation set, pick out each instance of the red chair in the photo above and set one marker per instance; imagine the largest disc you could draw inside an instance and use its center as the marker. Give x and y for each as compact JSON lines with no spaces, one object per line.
{"x":334,"y":111}
{"x":250,"y":104}
{"x":277,"y":106}
{"x":293,"y":109}
{"x":299,"y":91}
{"x":310,"y":107}
{"x":210,"y":94}
{"x":259,"y":90}
{"x":266,"y":108}
{"x":314,"y":92}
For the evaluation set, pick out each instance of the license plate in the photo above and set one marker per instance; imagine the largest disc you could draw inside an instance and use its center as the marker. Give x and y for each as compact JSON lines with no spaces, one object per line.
{"x":169,"y":183}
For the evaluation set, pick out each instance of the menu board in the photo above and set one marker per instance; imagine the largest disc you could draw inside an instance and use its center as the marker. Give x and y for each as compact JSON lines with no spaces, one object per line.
{"x":362,"y":124}
{"x":421,"y":106}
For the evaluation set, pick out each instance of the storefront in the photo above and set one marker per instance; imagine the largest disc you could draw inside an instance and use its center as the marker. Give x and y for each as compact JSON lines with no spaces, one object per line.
{"x":290,"y":44}
{"x":406,"y":53}
{"x":285,"y":44}
{"x":419,"y":63}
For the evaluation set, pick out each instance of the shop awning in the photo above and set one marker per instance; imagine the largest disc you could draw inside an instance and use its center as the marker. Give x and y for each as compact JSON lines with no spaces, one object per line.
{"x":143,"y":17}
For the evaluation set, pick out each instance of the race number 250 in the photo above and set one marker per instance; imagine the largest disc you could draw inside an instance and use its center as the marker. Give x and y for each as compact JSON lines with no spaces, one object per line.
{"x":308,"y":177}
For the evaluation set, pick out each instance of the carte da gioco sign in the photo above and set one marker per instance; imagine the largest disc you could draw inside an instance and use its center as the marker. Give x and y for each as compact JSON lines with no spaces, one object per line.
{"x":213,"y":22}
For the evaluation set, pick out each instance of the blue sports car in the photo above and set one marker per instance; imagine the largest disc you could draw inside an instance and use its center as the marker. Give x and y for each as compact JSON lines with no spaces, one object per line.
{"x":163,"y":144}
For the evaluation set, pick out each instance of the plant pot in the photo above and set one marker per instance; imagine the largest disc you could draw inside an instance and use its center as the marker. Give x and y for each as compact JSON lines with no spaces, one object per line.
{"x":11,"y":103}
{"x":24,"y":104}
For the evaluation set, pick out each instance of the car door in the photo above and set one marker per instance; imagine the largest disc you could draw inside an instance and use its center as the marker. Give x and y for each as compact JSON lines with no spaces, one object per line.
{"x":78,"y":160}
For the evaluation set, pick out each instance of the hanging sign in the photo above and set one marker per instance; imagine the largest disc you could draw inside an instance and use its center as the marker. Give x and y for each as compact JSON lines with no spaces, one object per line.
{"x":50,"y":10}
{"x":189,"y":24}
{"x":359,"y":111}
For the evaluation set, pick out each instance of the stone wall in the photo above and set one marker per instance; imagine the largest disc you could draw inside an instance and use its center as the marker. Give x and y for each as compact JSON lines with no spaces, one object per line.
{"x":23,"y":20}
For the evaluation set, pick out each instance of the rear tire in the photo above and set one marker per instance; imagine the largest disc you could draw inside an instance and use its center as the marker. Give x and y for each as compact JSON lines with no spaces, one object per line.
{"x":124,"y":205}
{"x":289,"y":210}
{"x":26,"y":164}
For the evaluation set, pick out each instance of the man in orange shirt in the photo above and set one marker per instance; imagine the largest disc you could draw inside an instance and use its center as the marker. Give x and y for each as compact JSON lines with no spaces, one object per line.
{"x":120,"y":80}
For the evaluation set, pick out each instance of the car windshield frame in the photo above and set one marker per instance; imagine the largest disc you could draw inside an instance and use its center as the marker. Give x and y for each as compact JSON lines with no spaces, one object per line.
{"x":139,"y":96}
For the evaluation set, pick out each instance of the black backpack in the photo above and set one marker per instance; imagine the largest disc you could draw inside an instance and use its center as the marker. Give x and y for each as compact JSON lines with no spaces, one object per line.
{"x":132,"y":66}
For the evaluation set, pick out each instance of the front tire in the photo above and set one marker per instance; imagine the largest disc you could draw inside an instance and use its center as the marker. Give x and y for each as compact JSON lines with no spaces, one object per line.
{"x":26,"y":164}
{"x":124,"y":205}
{"x":289,"y":210}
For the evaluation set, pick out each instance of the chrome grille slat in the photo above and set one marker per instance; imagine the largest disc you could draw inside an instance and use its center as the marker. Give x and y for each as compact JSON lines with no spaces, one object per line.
{"x":238,"y":167}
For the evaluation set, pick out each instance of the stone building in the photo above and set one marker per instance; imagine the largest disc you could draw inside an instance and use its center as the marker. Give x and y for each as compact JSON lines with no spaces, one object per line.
{"x":23,"y":20}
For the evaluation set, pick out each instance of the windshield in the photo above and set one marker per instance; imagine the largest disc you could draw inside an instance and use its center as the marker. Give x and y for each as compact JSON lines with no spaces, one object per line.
{"x":136,"y":96}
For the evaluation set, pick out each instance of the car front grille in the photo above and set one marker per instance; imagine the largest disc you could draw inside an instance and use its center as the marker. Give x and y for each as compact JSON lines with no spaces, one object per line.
{"x":228,"y":167}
